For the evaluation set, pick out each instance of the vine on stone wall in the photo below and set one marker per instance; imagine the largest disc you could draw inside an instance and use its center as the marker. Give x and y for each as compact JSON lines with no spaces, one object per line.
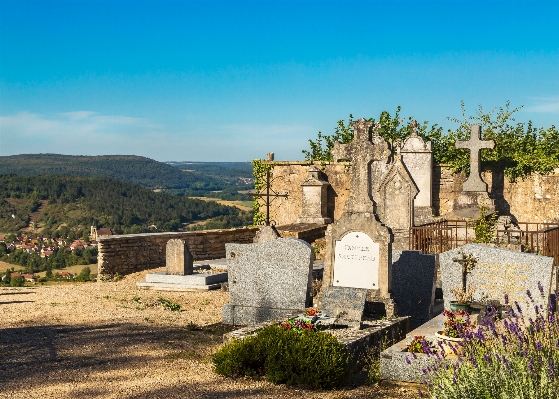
{"x":259,"y":169}
{"x":520,"y":149}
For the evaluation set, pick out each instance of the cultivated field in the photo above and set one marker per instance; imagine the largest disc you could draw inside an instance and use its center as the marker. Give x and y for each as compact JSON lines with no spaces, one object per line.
{"x":242,"y":205}
{"x":111,"y":340}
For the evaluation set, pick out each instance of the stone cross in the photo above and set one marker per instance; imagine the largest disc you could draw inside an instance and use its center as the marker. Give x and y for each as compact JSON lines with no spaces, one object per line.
{"x":475,"y":145}
{"x":361,"y":152}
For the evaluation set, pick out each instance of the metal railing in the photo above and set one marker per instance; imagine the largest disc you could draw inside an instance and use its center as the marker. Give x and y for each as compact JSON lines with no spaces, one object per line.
{"x":444,"y":235}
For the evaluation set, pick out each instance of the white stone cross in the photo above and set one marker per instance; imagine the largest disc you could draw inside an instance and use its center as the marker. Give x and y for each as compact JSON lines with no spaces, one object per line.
{"x":475,"y":145}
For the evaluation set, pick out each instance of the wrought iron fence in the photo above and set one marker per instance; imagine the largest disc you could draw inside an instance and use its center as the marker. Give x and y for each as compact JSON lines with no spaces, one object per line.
{"x":444,"y":235}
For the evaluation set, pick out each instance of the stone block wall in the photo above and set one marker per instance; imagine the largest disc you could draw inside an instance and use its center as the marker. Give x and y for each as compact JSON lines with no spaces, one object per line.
{"x":288,"y":177}
{"x":534,"y":199}
{"x":132,"y":253}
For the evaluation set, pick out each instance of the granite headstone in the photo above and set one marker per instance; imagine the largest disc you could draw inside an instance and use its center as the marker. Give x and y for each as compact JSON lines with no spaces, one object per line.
{"x":497,"y":272}
{"x":267,"y":280}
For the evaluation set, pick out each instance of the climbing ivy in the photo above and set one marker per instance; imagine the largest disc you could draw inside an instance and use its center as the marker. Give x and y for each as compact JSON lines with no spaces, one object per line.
{"x":520,"y":149}
{"x":259,"y":169}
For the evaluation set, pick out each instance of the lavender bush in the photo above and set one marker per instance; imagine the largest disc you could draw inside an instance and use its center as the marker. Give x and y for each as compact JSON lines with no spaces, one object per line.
{"x":516,"y":357}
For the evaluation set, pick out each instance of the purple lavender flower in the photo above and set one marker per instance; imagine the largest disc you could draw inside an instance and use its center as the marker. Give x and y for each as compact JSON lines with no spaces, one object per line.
{"x":408,"y":360}
{"x":487,"y":359}
{"x":506,"y":299}
{"x":539,"y":345}
{"x":529,"y":294}
{"x":531,"y":366}
{"x":540,"y":287}
{"x":518,"y":307}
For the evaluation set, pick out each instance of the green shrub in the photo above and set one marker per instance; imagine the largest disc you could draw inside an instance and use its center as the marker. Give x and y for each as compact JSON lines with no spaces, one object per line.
{"x":17,"y":281}
{"x":311,"y":358}
{"x":85,"y":274}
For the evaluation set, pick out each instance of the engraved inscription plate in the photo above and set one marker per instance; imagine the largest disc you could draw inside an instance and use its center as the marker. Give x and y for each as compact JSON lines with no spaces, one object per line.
{"x":356,"y":261}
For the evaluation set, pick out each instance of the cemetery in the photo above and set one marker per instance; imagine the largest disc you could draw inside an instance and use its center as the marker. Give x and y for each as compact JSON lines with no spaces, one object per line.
{"x":351,"y":251}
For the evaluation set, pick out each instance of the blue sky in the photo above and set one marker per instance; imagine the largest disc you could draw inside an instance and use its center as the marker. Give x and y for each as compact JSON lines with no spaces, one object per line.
{"x":233,"y":80}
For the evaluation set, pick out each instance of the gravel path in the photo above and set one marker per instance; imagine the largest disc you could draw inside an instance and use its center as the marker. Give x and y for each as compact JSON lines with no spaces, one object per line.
{"x":111,"y":340}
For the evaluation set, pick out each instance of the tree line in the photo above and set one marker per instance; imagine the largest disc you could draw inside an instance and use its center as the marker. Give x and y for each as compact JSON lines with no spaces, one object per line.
{"x":77,"y":201}
{"x":520,"y":148}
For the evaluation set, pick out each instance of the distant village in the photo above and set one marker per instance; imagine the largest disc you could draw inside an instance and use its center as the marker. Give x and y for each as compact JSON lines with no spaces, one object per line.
{"x":46,"y":247}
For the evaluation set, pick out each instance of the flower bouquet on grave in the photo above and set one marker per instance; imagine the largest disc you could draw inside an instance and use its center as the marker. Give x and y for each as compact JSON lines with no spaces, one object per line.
{"x":463,"y":298}
{"x":456,"y":326}
{"x":298,"y":324}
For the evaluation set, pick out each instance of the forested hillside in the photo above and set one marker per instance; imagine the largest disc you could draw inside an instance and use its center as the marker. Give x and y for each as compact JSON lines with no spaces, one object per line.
{"x":74,"y":202}
{"x":194,"y":178}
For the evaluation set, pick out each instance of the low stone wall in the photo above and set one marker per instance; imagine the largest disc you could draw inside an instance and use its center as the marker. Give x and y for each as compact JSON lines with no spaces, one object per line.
{"x":132,"y":253}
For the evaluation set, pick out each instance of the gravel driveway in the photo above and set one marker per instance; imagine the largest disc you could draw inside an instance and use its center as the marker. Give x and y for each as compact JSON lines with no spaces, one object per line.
{"x":112,"y":340}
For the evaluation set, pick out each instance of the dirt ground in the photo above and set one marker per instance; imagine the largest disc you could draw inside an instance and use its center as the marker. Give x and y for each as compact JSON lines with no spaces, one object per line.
{"x":112,"y":340}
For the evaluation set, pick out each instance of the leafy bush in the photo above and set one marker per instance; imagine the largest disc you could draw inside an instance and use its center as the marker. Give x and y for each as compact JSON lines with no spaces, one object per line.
{"x":85,"y":274}
{"x":310,"y":358}
{"x":17,"y":281}
{"x":520,"y":149}
{"x":517,"y":357}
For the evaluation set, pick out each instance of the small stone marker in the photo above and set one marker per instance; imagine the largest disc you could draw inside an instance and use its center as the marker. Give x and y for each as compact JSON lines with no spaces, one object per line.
{"x":356,"y":261}
{"x":267,"y":280}
{"x":345,"y":303}
{"x":265,"y":234}
{"x":497,"y":272}
{"x":413,"y":285}
{"x":179,"y":260}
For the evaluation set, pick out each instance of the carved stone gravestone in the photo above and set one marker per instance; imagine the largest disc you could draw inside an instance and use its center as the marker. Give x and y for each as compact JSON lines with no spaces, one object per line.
{"x":395,"y":202}
{"x":345,"y":304}
{"x":497,"y":272}
{"x":267,"y":280}
{"x":179,"y":260}
{"x":474,"y":191}
{"x":417,"y":156}
{"x":358,"y":247}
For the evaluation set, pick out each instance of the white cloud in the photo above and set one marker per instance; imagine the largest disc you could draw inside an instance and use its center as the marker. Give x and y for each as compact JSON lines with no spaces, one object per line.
{"x":545,"y":105}
{"x":90,"y":133}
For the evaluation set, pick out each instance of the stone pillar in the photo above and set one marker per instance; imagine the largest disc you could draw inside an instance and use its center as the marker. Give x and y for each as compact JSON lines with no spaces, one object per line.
{"x":314,"y":198}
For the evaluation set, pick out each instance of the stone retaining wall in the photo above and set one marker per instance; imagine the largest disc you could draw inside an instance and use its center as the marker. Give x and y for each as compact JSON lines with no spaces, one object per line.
{"x":132,"y":253}
{"x":534,"y":199}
